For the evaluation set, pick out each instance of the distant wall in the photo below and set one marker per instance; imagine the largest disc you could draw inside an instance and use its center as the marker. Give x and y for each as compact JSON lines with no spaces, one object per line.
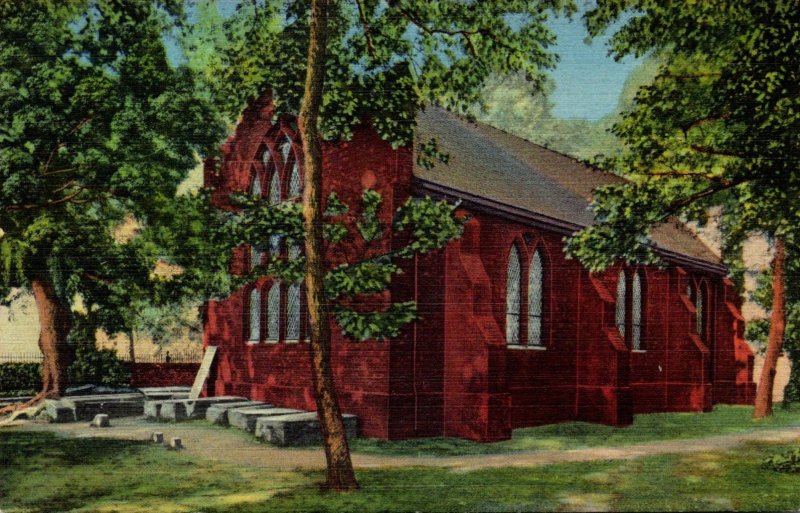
{"x":163,"y":374}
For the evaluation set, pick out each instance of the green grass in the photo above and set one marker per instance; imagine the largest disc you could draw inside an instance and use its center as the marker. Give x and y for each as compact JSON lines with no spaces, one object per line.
{"x":42,"y":472}
{"x":577,"y":435}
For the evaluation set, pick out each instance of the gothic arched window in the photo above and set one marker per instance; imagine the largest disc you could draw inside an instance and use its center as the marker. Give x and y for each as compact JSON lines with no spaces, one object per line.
{"x":274,"y":312}
{"x":255,"y":316}
{"x":619,"y":317}
{"x":535,"y":299}
{"x":513,"y":297}
{"x":637,"y":307}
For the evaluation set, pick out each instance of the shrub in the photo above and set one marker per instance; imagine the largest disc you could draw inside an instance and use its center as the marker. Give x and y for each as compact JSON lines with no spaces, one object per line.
{"x":20,"y":377}
{"x":99,"y":367}
{"x":786,"y":462}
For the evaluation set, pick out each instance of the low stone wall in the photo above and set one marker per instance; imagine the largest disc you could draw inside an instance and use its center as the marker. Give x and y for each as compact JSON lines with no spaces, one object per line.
{"x":163,"y":374}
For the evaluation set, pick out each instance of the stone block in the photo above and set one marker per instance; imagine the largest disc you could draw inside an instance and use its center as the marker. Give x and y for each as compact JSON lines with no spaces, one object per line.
{"x":197,"y":408}
{"x":218,"y":414}
{"x":173,"y":410}
{"x":245,"y":418}
{"x":176,"y":443}
{"x":157,"y":438}
{"x":60,"y":410}
{"x":114,"y":405}
{"x":298,"y":428}
{"x":101,"y":421}
{"x":152,"y":409}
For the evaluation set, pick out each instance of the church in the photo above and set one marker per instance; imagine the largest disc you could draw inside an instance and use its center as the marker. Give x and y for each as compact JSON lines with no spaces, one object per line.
{"x":512,"y":333}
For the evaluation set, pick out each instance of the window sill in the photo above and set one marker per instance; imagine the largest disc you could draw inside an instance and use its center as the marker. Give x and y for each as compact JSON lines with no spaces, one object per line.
{"x":638,"y":350}
{"x":271,"y":341}
{"x":252,"y":342}
{"x":293,"y":341}
{"x":518,"y":347}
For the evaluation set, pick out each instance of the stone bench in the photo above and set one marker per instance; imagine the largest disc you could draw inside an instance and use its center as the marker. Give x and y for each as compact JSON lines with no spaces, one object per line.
{"x":184,"y":409}
{"x":165,"y":393}
{"x":218,"y":414}
{"x":298,"y":428}
{"x":246,"y":418}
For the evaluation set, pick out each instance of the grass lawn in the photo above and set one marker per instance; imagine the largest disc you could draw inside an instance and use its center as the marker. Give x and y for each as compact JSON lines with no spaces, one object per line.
{"x":577,"y":435}
{"x":41,"y":472}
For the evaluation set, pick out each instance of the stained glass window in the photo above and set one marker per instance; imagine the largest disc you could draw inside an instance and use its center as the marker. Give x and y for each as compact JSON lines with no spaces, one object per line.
{"x":535,"y":280}
{"x":255,"y":315}
{"x":255,"y":186}
{"x":620,"y":307}
{"x":266,"y":158}
{"x":274,"y":312}
{"x":295,"y":183}
{"x":512,"y":298}
{"x":636,"y":312}
{"x":293,"y":312}
{"x":275,"y":189}
{"x":286,"y":149}
{"x":699,"y":312}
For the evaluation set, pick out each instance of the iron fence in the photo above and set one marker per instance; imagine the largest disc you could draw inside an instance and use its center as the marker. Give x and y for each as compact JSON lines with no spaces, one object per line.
{"x":21,"y":357}
{"x":187,"y":356}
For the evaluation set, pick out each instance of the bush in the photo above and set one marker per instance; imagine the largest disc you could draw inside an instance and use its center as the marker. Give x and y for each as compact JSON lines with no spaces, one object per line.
{"x":99,"y":367}
{"x":20,"y":377}
{"x":786,"y":462}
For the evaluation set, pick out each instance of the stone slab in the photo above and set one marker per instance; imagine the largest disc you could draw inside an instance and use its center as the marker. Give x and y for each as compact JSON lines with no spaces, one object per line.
{"x":115,"y":406}
{"x":298,"y":428}
{"x":184,"y":409}
{"x":245,"y":418}
{"x":218,"y":414}
{"x":101,"y":420}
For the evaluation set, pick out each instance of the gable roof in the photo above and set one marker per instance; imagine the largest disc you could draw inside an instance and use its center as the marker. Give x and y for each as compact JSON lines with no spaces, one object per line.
{"x":494,"y":170}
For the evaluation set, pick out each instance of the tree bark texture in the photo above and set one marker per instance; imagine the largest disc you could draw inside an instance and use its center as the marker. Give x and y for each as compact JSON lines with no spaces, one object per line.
{"x":777,"y":325}
{"x":55,"y":323}
{"x":340,"y":467}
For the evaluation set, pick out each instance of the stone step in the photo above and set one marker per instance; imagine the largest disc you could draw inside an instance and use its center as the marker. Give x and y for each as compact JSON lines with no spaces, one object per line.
{"x":246,"y":418}
{"x":185,"y":409}
{"x":298,"y":428}
{"x":165,"y":393}
{"x":218,"y":414}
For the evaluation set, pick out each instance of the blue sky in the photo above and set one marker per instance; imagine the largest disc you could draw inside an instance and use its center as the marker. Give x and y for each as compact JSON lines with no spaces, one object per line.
{"x":588,"y":82}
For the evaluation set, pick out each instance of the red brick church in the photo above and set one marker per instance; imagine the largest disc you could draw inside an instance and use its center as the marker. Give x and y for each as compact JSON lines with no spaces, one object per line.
{"x":512,"y":333}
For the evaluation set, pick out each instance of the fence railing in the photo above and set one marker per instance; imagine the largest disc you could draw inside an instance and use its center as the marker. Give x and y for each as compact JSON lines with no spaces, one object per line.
{"x":21,"y":357}
{"x":191,"y":356}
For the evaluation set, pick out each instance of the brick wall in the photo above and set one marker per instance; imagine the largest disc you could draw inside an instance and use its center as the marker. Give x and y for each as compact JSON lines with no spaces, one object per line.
{"x":163,"y":374}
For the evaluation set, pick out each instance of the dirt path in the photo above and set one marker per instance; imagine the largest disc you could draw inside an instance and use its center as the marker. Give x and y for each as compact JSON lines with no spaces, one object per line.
{"x":234,"y":446}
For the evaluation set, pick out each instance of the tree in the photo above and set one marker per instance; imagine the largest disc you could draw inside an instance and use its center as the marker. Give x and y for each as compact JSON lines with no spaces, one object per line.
{"x":336,"y":64}
{"x":718,"y":125}
{"x":758,"y":330}
{"x":95,"y":126}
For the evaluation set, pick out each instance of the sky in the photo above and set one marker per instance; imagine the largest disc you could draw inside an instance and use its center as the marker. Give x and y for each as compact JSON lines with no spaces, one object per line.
{"x":587,"y":81}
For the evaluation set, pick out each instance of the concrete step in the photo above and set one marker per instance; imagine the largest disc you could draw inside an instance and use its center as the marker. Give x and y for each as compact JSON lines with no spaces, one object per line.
{"x":185,"y":409}
{"x":218,"y":414}
{"x":298,"y":428}
{"x":246,"y":418}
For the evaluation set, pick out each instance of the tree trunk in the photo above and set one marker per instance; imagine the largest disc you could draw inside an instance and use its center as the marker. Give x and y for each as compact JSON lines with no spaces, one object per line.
{"x":777,"y":324}
{"x":340,"y":467}
{"x":54,"y":325}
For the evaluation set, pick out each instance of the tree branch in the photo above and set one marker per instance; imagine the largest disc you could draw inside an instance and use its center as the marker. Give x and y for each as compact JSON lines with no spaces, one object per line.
{"x":465,"y":34}
{"x":362,"y":15}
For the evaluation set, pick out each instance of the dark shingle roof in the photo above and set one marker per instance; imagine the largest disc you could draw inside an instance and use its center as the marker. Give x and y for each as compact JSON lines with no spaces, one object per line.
{"x":488,"y":163}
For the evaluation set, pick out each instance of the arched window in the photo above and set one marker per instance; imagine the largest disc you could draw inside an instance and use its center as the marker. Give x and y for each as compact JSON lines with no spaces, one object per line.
{"x":513,"y":297}
{"x":293,"y":300}
{"x":535,"y":286}
{"x":295,"y":182}
{"x":256,"y":252}
{"x":274,"y":312}
{"x":275,"y":189}
{"x":636,"y":311}
{"x":255,"y":316}
{"x":699,"y":313}
{"x":619,"y":318}
{"x":286,"y":149}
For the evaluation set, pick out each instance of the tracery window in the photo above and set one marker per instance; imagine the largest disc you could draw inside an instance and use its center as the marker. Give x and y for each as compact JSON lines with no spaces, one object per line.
{"x":283,"y":308}
{"x":535,"y":299}
{"x":513,"y":297}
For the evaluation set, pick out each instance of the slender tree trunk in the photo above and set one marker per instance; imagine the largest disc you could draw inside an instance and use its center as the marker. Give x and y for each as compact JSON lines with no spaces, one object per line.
{"x":54,"y":325}
{"x":337,"y":452}
{"x":777,"y":324}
